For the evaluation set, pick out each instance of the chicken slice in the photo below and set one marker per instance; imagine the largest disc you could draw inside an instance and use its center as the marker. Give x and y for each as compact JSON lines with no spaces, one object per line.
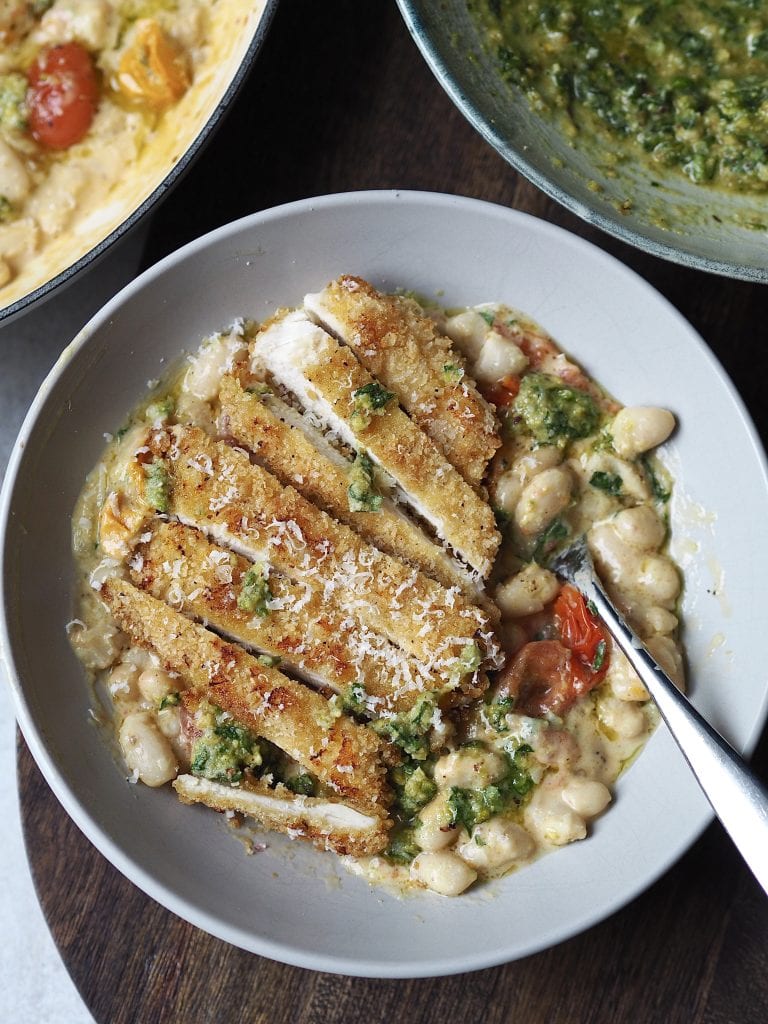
{"x":299,"y":455}
{"x":344,"y":755}
{"x":313,"y":639}
{"x":329,"y":824}
{"x":213,"y":487}
{"x":329,"y":382}
{"x":402,"y":347}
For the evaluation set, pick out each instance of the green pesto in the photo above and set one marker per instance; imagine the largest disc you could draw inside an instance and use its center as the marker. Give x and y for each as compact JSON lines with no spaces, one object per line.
{"x":255,"y":595}
{"x":413,"y":788}
{"x":470,"y":807}
{"x":158,"y":486}
{"x":403,"y":846}
{"x":269,"y":660}
{"x":13,"y":107}
{"x":302,"y":784}
{"x":170,"y":700}
{"x":161,"y":410}
{"x":452,"y":374}
{"x":225,"y":750}
{"x":369,"y":400}
{"x":353,"y":699}
{"x":552,"y":412}
{"x":408,"y":730}
{"x":362,"y":495}
{"x":680,"y":83}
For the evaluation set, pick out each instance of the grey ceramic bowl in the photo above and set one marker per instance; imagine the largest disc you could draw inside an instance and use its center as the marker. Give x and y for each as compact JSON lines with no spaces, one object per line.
{"x":706,"y":227}
{"x":291,"y":902}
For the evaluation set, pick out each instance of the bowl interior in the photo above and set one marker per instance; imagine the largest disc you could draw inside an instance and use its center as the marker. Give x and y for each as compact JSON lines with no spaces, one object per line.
{"x":293,"y":903}
{"x":705,"y":228}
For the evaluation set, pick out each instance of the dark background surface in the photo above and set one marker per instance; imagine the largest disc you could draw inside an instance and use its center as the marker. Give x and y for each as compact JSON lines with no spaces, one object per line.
{"x":339,"y":100}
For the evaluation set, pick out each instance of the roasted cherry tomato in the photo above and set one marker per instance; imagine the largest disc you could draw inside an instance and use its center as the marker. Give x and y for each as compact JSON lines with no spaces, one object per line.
{"x":63,"y":95}
{"x":539,"y":678}
{"x":502,"y":393}
{"x":581,"y":631}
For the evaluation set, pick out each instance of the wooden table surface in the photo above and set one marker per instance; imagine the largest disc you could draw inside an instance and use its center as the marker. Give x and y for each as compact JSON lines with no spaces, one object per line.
{"x":341,"y":100}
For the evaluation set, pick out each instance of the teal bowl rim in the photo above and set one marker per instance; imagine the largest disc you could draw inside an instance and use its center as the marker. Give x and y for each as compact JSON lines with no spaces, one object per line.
{"x":410,"y":10}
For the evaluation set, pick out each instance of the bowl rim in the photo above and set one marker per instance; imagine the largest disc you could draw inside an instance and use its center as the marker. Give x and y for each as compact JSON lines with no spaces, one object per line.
{"x":194,"y":914}
{"x":411,"y":12}
{"x":171,"y":179}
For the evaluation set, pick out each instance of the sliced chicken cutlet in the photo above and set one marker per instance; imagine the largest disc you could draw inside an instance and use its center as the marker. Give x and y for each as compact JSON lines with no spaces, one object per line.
{"x":329,"y":824}
{"x":401,"y":347}
{"x":329,"y":382}
{"x":342,"y":754}
{"x":300,"y":455}
{"x":213,"y":487}
{"x":313,"y":639}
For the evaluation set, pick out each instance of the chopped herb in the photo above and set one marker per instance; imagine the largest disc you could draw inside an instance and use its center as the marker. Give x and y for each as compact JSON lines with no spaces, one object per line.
{"x":361,"y":493}
{"x":599,"y":658}
{"x":488,"y":316}
{"x":158,"y":485}
{"x":255,"y":594}
{"x":660,"y":491}
{"x":502,"y":518}
{"x":452,"y":374}
{"x":408,"y":729}
{"x":369,"y":400}
{"x":269,"y":660}
{"x":549,"y":540}
{"x":553,"y":412}
{"x":469,"y":660}
{"x":592,"y":608}
{"x":470,"y":807}
{"x":327,"y":714}
{"x":353,"y":699}
{"x":302,"y":784}
{"x":170,"y":700}
{"x":611,"y":483}
{"x":120,"y":434}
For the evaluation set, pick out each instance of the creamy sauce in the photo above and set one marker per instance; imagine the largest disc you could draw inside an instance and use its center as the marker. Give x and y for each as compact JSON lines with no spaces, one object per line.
{"x":482,"y":789}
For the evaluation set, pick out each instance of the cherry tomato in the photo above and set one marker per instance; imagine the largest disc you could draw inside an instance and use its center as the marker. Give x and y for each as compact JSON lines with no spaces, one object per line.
{"x":63,"y":95}
{"x":581,"y":632}
{"x":539,"y":678}
{"x":502,"y":393}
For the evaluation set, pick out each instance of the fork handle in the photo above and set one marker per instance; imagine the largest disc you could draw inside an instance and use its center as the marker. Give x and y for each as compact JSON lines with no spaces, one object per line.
{"x":737,"y":797}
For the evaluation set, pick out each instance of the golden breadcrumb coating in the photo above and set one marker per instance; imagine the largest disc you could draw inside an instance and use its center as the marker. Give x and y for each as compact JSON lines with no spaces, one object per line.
{"x":214,"y":487}
{"x":346,"y":756}
{"x":314,"y":639}
{"x":328,"y":824}
{"x":299,"y":352}
{"x":401,"y":347}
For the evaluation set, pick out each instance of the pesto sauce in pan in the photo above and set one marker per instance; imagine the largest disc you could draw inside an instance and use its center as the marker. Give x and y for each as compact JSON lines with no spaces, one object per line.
{"x":684,"y":82}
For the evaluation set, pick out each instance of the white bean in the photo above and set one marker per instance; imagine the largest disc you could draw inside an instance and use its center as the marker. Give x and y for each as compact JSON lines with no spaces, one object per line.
{"x":496,"y":844}
{"x":557,"y":747}
{"x":551,"y":820}
{"x":658,"y":580}
{"x":666,"y":652}
{"x":507,"y":491}
{"x":659,"y":620}
{"x":469,"y":768}
{"x":96,"y":646}
{"x":468,"y":330}
{"x":498,"y":358}
{"x":442,"y":872}
{"x":14,"y":180}
{"x":146,"y":751}
{"x":542,"y":499}
{"x":623,"y":679}
{"x":121,"y":683}
{"x":626,"y":718}
{"x":526,"y":592}
{"x":587,"y":797}
{"x":640,"y":528}
{"x":532,"y":462}
{"x":155,"y":684}
{"x":435,"y":830}
{"x":639,"y":428}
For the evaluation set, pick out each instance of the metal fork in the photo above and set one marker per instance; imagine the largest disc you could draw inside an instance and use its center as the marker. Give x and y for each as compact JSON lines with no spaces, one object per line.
{"x":737,"y":797}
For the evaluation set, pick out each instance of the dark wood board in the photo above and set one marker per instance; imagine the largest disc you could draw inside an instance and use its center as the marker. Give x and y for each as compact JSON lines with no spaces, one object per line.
{"x":341,"y":100}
